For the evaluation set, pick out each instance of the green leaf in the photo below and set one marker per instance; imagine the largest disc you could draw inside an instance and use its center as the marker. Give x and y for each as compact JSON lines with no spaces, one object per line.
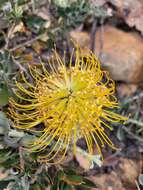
{"x":69,"y":171}
{"x":67,"y":187}
{"x":4,"y":124}
{"x":73,"y":179}
{"x":141,"y":179}
{"x":17,"y":186}
{"x":57,"y":179}
{"x":62,"y":3}
{"x":3,"y":184}
{"x":12,"y":160}
{"x":120,"y":134}
{"x":4,"y":95}
{"x":34,"y":21}
{"x":87,"y":183}
{"x":42,"y":181}
{"x":96,"y":159}
{"x":25,"y":183}
{"x":20,"y":183}
{"x":6,"y":62}
{"x":27,"y":139}
{"x":73,"y":13}
{"x":54,"y":186}
{"x":4,"y":153}
{"x":2,"y":2}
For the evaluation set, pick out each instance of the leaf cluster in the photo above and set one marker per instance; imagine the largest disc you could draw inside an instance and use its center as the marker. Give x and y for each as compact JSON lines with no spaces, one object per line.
{"x":37,"y":176}
{"x":74,"y":13}
{"x":67,"y":179}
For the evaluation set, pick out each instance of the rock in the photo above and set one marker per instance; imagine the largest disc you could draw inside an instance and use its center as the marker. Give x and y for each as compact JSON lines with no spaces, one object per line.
{"x":122,"y":53}
{"x":128,"y":171}
{"x":131,"y":11}
{"x":123,"y":177}
{"x":81,"y":37}
{"x":108,"y":181}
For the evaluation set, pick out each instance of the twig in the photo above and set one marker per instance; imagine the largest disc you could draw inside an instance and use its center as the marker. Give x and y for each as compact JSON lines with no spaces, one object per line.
{"x":33,"y":6}
{"x":136,"y":97}
{"x":21,"y":159}
{"x":101,"y":38}
{"x":132,"y":134}
{"x":138,"y":188}
{"x":7,"y":36}
{"x":92,"y":36}
{"x":22,"y":69}
{"x":68,"y":41}
{"x":133,"y":121}
{"x":27,"y":42}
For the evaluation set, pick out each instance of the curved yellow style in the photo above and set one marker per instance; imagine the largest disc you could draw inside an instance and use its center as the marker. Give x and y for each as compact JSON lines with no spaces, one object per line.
{"x":64,"y":104}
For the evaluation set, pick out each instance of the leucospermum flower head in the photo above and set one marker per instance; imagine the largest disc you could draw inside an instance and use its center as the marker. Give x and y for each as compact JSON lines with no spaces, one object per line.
{"x":69,"y":102}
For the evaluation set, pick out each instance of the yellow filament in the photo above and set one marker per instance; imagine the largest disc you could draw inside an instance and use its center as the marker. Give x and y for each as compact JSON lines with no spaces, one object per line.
{"x":70,"y":103}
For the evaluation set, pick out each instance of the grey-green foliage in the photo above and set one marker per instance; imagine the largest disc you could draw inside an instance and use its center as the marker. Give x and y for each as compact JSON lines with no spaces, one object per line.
{"x":21,"y":184}
{"x":6,"y":74}
{"x":11,"y":10}
{"x":73,"y":13}
{"x":4,"y":124}
{"x":37,"y":176}
{"x":141,"y":179}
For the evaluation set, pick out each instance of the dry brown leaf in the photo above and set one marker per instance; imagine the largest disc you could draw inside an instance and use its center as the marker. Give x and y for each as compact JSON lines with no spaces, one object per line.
{"x":44,"y":13}
{"x":108,"y":181}
{"x":37,"y":46}
{"x":83,"y":161}
{"x":98,"y":3}
{"x":28,"y":57}
{"x":16,"y":28}
{"x":48,"y":188}
{"x":18,"y":52}
{"x":3,"y":174}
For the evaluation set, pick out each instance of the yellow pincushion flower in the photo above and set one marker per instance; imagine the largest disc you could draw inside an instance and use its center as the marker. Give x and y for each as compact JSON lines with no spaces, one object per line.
{"x":70,"y":102}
